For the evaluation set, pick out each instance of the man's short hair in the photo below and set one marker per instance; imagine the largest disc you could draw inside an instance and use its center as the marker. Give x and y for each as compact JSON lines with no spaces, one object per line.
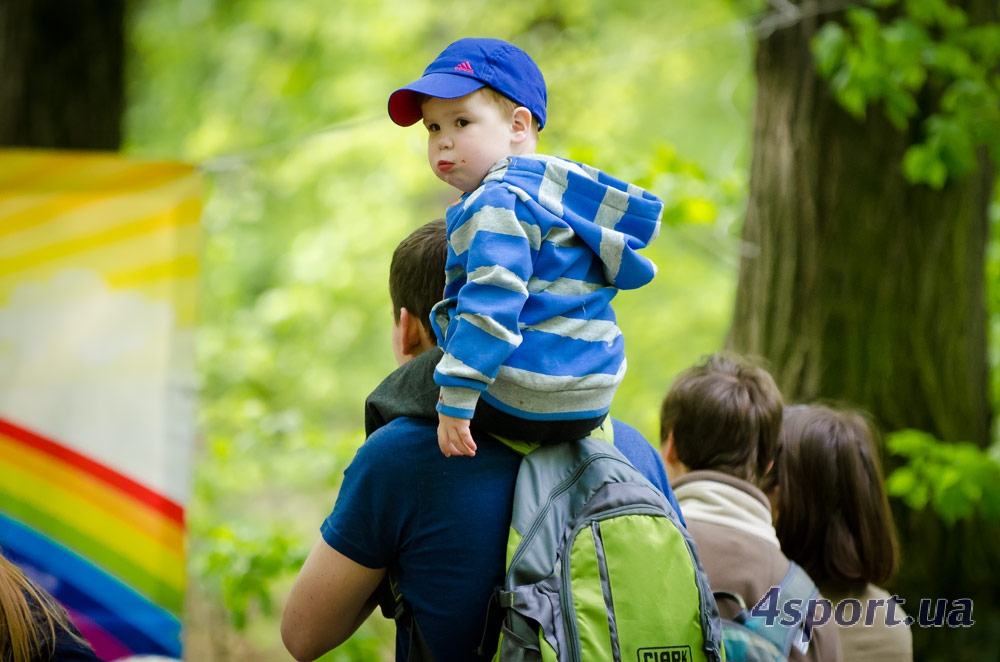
{"x":725,"y":415}
{"x":416,"y":273}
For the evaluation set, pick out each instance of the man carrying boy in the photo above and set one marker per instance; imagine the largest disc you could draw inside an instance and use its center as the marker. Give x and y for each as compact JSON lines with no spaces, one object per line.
{"x":537,"y":248}
{"x":719,"y":427}
{"x":397,"y":508}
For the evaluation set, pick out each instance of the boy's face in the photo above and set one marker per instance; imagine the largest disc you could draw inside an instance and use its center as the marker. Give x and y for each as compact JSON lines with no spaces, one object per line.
{"x":466,"y":136}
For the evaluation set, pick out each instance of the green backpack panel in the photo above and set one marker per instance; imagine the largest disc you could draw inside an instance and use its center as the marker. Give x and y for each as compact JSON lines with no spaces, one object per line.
{"x":599,"y":566}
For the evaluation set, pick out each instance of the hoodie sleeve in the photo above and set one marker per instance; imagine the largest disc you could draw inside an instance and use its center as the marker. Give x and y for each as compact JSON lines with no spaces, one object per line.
{"x":491,"y":246}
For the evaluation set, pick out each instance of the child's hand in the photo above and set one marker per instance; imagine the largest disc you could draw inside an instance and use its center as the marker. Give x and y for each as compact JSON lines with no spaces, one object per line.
{"x":454,"y":436}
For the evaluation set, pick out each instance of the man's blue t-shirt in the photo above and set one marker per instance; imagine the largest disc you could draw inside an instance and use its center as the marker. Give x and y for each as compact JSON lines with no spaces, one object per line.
{"x":440,"y":524}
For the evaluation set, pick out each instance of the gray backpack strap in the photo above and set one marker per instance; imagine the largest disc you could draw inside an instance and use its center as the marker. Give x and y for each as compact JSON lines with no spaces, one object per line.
{"x":797,"y":585}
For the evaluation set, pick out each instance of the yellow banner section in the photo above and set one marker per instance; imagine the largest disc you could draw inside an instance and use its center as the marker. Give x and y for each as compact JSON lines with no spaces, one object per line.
{"x":98,"y":284}
{"x":133,"y":223}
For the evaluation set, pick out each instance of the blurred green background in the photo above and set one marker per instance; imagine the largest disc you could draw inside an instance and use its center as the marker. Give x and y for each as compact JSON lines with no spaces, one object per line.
{"x":310,"y":187}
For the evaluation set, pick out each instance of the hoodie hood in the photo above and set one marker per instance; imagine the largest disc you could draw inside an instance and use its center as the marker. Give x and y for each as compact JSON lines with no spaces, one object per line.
{"x":613,"y":218}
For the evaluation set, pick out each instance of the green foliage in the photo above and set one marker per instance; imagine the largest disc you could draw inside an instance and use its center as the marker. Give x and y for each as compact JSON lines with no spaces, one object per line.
{"x":900,"y":55}
{"x":992,"y":279}
{"x":311,"y":187}
{"x":242,"y":564}
{"x":921,"y":61}
{"x":958,"y":480}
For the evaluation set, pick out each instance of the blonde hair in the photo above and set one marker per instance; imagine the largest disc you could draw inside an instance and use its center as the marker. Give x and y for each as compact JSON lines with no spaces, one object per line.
{"x":29,"y":617}
{"x":506,"y":105}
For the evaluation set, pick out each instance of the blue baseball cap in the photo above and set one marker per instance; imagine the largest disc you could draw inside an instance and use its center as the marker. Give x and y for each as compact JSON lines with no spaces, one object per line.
{"x":467,"y":65}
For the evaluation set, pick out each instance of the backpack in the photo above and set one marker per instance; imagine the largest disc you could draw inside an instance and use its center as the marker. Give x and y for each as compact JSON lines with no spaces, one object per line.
{"x":599,"y":566}
{"x":767,"y":632}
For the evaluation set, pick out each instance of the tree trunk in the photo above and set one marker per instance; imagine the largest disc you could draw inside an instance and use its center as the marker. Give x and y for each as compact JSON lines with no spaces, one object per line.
{"x":62,"y":82}
{"x":856,"y":286}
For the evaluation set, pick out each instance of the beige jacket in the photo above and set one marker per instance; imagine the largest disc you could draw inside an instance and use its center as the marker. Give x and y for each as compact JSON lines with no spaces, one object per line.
{"x":730,"y":521}
{"x":878,"y":642}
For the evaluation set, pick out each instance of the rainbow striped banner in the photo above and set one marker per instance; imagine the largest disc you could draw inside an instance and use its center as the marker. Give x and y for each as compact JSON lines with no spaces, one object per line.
{"x":98,"y":276}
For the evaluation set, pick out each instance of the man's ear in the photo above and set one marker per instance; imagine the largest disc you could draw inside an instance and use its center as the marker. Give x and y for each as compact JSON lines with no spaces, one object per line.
{"x":521,"y":125}
{"x":410,"y":330}
{"x":668,"y":449}
{"x":414,"y":338}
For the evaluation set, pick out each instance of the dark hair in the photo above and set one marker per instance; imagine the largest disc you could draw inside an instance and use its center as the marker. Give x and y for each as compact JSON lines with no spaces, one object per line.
{"x":833,"y":516}
{"x":416,"y":273}
{"x":725,"y":414}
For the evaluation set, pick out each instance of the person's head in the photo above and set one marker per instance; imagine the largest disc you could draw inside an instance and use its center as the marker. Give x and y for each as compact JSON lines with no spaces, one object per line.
{"x":480,"y":100}
{"x":29,"y":617}
{"x":832,"y":513}
{"x":722,"y":414}
{"x":416,"y":283}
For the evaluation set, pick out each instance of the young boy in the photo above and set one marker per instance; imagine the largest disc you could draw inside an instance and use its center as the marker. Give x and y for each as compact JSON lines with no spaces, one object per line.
{"x":719,"y":426}
{"x":537,"y":248}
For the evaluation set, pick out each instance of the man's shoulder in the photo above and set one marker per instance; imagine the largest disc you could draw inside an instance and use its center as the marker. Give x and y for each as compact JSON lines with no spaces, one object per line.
{"x":631,"y":442}
{"x":402,"y":430}
{"x":644,"y":457}
{"x":399,"y":442}
{"x":640,"y":453}
{"x":409,"y":445}
{"x":623,"y":428}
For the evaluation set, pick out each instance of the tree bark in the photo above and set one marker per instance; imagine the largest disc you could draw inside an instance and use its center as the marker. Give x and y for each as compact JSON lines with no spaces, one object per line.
{"x":854,"y":284}
{"x":857,"y":286}
{"x":62,"y":73}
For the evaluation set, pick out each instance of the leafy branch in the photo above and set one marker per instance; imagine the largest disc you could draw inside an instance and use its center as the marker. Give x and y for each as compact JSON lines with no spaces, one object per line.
{"x":958,"y":480}
{"x":894,"y":52}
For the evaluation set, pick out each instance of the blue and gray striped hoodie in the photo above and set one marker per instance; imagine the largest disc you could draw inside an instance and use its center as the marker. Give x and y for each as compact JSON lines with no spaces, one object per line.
{"x":535,"y":256}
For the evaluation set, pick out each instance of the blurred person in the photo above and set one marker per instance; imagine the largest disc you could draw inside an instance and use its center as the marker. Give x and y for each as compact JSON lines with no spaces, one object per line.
{"x":397,"y":508}
{"x":719,"y":425}
{"x":832,"y":517}
{"x":33,"y":626}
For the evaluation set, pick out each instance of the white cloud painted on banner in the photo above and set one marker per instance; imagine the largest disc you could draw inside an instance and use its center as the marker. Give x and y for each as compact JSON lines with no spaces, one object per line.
{"x":97,"y":370}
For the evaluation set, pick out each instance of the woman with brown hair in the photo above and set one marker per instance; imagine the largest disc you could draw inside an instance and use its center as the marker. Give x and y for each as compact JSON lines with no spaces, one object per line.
{"x":33,"y":627}
{"x":832,"y":517}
